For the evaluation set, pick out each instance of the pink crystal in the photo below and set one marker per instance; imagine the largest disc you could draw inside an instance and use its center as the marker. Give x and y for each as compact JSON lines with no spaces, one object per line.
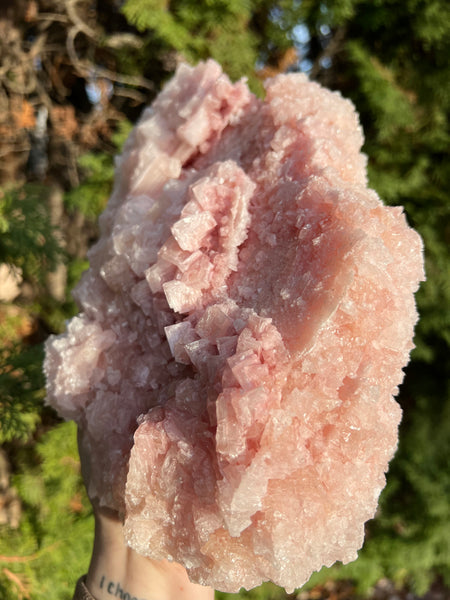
{"x":244,"y":324}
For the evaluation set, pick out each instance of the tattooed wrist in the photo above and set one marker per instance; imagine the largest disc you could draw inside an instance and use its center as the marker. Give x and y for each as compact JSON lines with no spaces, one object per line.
{"x":115,"y":589}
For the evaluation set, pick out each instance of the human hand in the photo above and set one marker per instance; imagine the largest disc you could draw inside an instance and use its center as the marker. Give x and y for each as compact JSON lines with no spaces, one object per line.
{"x":117,"y":571}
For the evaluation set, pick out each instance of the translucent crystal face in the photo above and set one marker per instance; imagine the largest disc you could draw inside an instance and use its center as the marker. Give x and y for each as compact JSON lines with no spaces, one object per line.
{"x":244,"y":323}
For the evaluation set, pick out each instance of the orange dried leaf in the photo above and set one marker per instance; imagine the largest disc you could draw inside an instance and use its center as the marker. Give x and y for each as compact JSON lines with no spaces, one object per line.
{"x":23,"y":115}
{"x":75,"y":503}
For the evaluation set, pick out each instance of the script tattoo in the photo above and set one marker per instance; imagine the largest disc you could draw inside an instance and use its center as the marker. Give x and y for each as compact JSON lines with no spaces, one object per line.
{"x":114,"y":589}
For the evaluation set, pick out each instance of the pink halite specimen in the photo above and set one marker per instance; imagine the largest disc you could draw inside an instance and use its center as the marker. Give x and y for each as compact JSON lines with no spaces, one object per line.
{"x":245,"y":320}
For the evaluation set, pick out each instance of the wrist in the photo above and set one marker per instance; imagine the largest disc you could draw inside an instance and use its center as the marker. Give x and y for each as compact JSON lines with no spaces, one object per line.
{"x":117,"y":572}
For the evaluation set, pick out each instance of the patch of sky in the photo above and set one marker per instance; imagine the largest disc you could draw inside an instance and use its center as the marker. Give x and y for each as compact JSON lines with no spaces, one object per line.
{"x":95,"y":89}
{"x":305,"y":65}
{"x":93,"y":92}
{"x":301,"y":38}
{"x":300,"y":34}
{"x":276,"y":15}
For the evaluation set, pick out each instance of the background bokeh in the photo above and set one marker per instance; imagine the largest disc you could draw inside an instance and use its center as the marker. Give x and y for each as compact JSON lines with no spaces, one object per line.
{"x":74,"y":77}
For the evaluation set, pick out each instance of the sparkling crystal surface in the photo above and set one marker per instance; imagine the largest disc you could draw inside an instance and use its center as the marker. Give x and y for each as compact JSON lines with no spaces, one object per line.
{"x":244,"y":323}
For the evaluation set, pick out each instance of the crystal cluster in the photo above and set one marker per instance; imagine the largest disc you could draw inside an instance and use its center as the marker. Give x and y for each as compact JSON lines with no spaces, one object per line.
{"x":244,"y":323}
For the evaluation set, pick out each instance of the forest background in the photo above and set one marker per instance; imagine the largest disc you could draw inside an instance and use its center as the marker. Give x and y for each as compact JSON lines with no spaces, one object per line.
{"x":74,"y":76}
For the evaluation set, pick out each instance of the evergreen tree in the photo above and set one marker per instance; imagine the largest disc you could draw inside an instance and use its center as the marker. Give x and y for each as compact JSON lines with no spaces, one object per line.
{"x":391,"y":59}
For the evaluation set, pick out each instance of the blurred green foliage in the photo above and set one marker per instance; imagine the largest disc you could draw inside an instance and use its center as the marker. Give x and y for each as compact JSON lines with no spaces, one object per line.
{"x":28,"y":239}
{"x":91,"y":196}
{"x":200,"y":29}
{"x":50,"y":549}
{"x":21,"y":391}
{"x":391,"y":59}
{"x":29,"y":244}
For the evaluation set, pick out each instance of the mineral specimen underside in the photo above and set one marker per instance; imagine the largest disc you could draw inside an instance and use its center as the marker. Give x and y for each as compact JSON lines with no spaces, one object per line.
{"x":244,"y":323}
